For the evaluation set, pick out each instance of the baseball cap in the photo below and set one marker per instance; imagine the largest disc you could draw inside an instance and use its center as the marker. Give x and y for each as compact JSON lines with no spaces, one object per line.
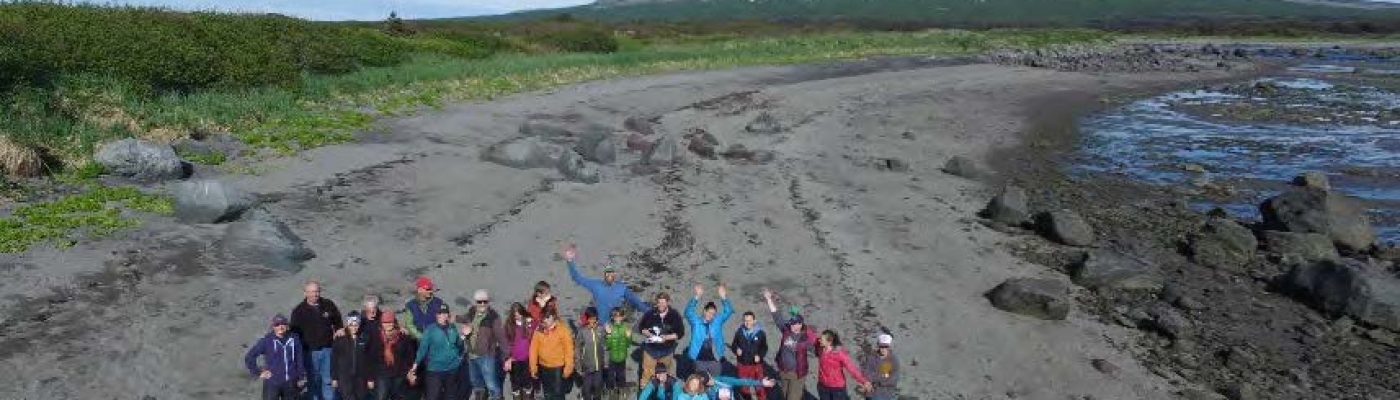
{"x":661,"y":368}
{"x":481,"y":295}
{"x":884,"y":340}
{"x":443,"y":309}
{"x":279,"y":319}
{"x":424,"y":283}
{"x":609,"y":268}
{"x":725,"y":393}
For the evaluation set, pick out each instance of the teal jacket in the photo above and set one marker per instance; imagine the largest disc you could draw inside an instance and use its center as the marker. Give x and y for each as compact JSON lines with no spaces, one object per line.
{"x":678,"y":391}
{"x":715,"y":331}
{"x":442,"y":347}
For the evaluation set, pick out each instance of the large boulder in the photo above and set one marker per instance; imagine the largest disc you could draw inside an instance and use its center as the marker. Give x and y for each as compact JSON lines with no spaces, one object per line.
{"x":1308,"y":210}
{"x":639,"y":143}
{"x":260,"y":239}
{"x":1169,"y":322}
{"x":667,"y":151}
{"x":1066,"y":227}
{"x":639,"y":125}
{"x":518,"y":153}
{"x":703,"y":144}
{"x":1223,"y":244}
{"x":1313,"y":179}
{"x":1040,"y":298}
{"x":1304,"y":247}
{"x":765,"y":123}
{"x":141,"y":160}
{"x":209,"y":201}
{"x":1108,"y":269}
{"x":961,"y":166}
{"x":1011,"y":207}
{"x":575,"y":168}
{"x":597,"y":147}
{"x":1367,"y":293}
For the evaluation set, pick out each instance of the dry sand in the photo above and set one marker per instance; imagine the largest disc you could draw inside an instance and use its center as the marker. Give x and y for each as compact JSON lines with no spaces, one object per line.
{"x":150,"y":314}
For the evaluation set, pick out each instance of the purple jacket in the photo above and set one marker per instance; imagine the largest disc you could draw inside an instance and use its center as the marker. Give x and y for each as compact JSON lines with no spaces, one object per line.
{"x":280,"y":356}
{"x":520,"y":346}
{"x":799,"y":346}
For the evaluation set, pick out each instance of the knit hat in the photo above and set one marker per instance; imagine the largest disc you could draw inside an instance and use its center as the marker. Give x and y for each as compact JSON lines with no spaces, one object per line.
{"x":725,"y":393}
{"x":279,"y":319}
{"x":353,"y":318}
{"x":424,"y":283}
{"x":609,"y":268}
{"x":884,"y":340}
{"x":796,"y":319}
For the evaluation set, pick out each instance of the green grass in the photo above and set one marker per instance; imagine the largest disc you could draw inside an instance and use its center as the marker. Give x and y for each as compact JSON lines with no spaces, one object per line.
{"x":94,"y":213}
{"x":202,"y":157}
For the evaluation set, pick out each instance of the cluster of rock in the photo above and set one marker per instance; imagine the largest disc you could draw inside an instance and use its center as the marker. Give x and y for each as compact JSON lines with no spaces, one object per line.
{"x":1114,"y":58}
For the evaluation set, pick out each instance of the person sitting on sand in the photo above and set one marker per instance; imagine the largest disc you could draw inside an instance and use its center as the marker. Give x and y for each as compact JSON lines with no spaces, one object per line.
{"x":391,"y":353}
{"x":520,"y":328}
{"x":350,"y":372}
{"x":442,"y":348}
{"x":542,"y":300}
{"x":706,"y":349}
{"x":283,"y":372}
{"x":316,"y":321}
{"x":722,"y":387}
{"x":883,"y":370}
{"x":794,"y":347}
{"x":750,"y":346}
{"x":608,"y":293}
{"x":660,"y":386}
{"x":832,"y":364}
{"x":420,"y":310}
{"x":552,"y":355}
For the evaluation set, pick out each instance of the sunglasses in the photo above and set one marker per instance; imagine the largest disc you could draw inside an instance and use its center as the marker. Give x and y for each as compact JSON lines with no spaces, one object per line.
{"x":483,"y":302}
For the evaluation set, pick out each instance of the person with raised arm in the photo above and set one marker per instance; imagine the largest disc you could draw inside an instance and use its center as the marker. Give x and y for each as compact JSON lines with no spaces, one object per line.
{"x":608,"y":292}
{"x":797,"y":343}
{"x":706,"y":349}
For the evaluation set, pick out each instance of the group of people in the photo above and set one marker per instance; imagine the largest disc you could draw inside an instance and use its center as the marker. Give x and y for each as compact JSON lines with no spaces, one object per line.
{"x":425,"y":350}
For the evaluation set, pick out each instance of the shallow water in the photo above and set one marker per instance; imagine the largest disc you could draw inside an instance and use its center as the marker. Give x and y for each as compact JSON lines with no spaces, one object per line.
{"x":1252,"y":137}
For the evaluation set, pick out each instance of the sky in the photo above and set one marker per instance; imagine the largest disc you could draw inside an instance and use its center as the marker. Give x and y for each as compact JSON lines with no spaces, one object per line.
{"x":359,"y":9}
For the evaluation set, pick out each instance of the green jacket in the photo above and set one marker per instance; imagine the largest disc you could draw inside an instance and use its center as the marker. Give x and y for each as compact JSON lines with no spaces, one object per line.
{"x":619,"y":342}
{"x":442,"y":347}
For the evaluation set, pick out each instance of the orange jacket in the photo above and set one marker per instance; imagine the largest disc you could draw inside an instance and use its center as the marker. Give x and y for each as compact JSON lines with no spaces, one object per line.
{"x":552,"y":348}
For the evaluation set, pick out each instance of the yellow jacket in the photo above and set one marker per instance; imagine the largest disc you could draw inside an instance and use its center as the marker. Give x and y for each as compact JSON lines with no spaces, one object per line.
{"x":552,"y":348}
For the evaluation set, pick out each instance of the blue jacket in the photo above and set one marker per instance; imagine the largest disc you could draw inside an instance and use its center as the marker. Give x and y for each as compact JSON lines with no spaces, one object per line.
{"x":699,"y":331}
{"x":280,"y":356}
{"x":607,"y":297}
{"x":678,"y":389}
{"x":442,"y":347}
{"x":420,"y":315}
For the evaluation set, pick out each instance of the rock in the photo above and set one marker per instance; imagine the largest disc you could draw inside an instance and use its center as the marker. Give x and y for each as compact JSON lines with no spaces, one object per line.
{"x":597,"y":147}
{"x":1105,"y":367}
{"x":1381,"y":336}
{"x":1108,"y":269}
{"x":259,"y":238}
{"x":221,"y":143}
{"x":891,"y":164}
{"x":1189,"y":303}
{"x":1040,"y":298}
{"x":1313,"y":179}
{"x":1223,"y":244}
{"x":962,"y":167}
{"x":1196,"y":168}
{"x":1366,"y":293}
{"x":737,"y":152}
{"x":1307,"y":247}
{"x":1009,"y":208}
{"x":765,"y":123}
{"x":1316,"y":211}
{"x":545,"y":129}
{"x":1066,"y":227}
{"x":639,"y":143}
{"x":639,"y":125}
{"x":666,"y":152}
{"x":1170,"y":322}
{"x":1241,"y":391}
{"x":573,"y":166}
{"x":763,"y":156}
{"x":1201,"y":394}
{"x":521,"y":153}
{"x":142,"y":161}
{"x":209,"y":201}
{"x":703,"y":145}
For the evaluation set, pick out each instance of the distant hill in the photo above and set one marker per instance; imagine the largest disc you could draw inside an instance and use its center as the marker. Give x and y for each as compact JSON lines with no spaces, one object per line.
{"x":973,"y":12}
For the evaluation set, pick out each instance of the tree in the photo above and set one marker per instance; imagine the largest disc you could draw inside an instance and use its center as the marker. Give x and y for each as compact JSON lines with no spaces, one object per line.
{"x":395,"y":26}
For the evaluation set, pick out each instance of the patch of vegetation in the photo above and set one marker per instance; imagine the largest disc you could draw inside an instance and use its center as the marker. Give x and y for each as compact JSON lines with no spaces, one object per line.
{"x":581,"y":40}
{"x":209,"y":157}
{"x":95,"y":213}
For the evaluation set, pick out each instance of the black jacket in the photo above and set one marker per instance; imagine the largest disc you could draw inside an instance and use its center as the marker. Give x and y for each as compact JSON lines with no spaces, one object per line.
{"x":672,"y":323}
{"x":758,"y":346}
{"x":404,"y":352}
{"x":316,"y":324}
{"x":350,"y":359}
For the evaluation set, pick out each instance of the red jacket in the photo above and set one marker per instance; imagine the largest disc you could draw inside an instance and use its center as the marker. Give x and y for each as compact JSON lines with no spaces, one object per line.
{"x":830,"y":366}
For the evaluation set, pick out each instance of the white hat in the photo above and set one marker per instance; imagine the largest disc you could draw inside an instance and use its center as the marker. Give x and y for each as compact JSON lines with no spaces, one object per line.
{"x":481,"y":295}
{"x":884,"y":339}
{"x":725,"y":393}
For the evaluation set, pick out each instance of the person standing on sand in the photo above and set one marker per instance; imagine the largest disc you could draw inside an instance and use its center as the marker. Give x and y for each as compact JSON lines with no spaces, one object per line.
{"x":283,"y":373}
{"x":706,"y":348}
{"x":832,"y":365}
{"x":442,"y":348}
{"x":370,"y":315}
{"x":552,"y":355}
{"x":520,"y":328}
{"x":619,"y":342}
{"x":883,"y":370}
{"x":590,"y":344}
{"x":391,"y":352}
{"x":316,"y":321}
{"x":750,"y":346}
{"x":485,"y":342}
{"x":661,"y":329}
{"x":421,"y":308}
{"x":350,"y":372}
{"x":608,"y":293}
{"x":541,"y":301}
{"x":794,"y":347}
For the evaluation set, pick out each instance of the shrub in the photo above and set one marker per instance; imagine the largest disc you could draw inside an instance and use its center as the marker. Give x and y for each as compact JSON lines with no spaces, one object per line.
{"x":581,"y":40}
